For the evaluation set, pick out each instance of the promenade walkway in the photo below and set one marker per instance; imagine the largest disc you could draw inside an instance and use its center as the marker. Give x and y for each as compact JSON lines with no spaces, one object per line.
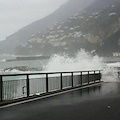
{"x":100,"y":102}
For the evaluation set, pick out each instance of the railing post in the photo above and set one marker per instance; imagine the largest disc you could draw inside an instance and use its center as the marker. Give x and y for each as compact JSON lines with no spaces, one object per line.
{"x":28,"y":86}
{"x":88,"y":77}
{"x":94,"y":77}
{"x":61,"y":82}
{"x":46,"y":82}
{"x":118,"y":74}
{"x":1,"y":89}
{"x":72,"y":78}
{"x":81,"y":78}
{"x":100,"y":76}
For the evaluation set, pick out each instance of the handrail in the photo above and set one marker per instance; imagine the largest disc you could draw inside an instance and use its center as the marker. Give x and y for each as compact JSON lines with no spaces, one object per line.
{"x":40,"y":73}
{"x":16,"y":86}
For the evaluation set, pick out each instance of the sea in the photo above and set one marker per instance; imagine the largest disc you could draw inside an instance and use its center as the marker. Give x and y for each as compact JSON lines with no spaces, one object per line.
{"x":82,"y":61}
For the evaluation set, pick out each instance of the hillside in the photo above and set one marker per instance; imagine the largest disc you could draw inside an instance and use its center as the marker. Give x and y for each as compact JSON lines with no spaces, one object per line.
{"x":92,"y":26}
{"x":24,"y":34}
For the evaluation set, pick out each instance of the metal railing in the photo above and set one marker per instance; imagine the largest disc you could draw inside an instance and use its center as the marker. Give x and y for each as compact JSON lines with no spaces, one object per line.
{"x":13,"y":86}
{"x":119,"y":74}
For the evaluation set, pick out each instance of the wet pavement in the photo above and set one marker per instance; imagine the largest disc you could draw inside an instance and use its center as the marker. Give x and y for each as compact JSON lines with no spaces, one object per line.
{"x":100,"y":102}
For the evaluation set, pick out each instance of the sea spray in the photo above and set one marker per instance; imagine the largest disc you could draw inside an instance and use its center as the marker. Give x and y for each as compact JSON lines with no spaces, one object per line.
{"x":110,"y":73}
{"x":83,"y":61}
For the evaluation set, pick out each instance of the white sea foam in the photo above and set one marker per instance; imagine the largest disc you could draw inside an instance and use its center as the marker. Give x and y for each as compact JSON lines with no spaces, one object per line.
{"x":82,"y":61}
{"x":117,"y":64}
{"x":110,"y":73}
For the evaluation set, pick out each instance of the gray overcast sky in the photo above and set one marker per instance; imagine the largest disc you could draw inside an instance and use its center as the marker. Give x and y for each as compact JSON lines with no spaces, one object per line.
{"x":15,"y":14}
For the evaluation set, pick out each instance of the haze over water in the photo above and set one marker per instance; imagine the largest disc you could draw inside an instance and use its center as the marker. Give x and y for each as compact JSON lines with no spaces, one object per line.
{"x":82,"y":61}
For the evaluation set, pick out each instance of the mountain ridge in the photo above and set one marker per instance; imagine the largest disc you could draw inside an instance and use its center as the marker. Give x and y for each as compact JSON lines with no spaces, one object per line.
{"x":23,"y":34}
{"x":92,"y":27}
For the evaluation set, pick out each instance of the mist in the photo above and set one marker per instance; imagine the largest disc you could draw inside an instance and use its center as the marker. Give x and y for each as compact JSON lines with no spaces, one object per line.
{"x":17,"y":14}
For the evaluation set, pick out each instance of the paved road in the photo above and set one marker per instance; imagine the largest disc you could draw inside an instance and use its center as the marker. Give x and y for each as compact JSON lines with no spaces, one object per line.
{"x":101,"y":102}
